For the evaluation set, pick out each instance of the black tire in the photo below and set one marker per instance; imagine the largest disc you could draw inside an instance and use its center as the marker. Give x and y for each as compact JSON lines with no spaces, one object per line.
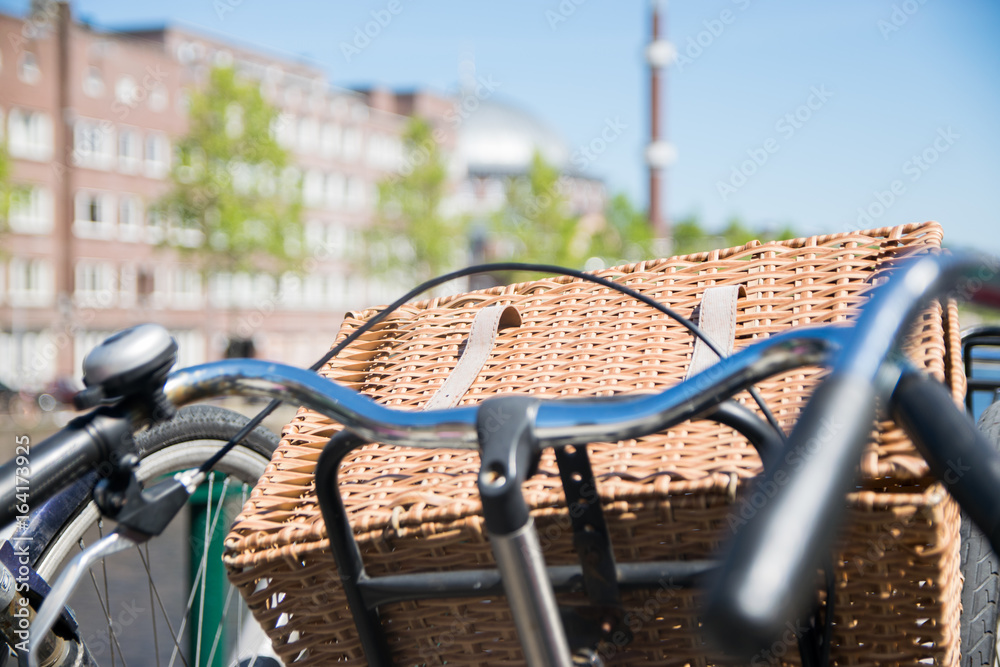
{"x":186,"y":441}
{"x":209,"y":423}
{"x":981,"y":570}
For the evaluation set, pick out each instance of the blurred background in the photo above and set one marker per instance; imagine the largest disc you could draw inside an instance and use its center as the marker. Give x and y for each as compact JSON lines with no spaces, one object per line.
{"x":246,"y":172}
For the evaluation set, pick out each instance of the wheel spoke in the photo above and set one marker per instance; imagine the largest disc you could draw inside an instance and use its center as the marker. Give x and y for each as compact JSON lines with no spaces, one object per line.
{"x":152,"y":608}
{"x":153,"y":592}
{"x":222,"y":624}
{"x":209,"y":527}
{"x":200,"y":574}
{"x":112,"y":637}
{"x":239,"y":607}
{"x":166,"y":618}
{"x":107,"y":597}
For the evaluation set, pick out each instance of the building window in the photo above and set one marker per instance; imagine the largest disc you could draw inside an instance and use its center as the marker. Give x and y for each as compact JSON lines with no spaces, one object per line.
{"x":384,"y":152}
{"x":27,"y":68}
{"x":356,"y":191}
{"x":94,"y":215}
{"x":95,"y":285}
{"x":184,"y":233}
{"x":31,"y":282}
{"x":157,"y":155}
{"x":158,"y":98}
{"x":308,"y":135}
{"x":352,"y":143}
{"x":314,"y":235}
{"x":128,"y":285}
{"x":26,"y":359}
{"x":185,"y":292}
{"x":283,"y":130}
{"x":29,"y":134}
{"x":190,"y":347}
{"x":291,"y":291}
{"x":130,"y":218}
{"x":336,"y":240}
{"x":129,"y":151}
{"x":31,"y":210}
{"x":220,"y":289}
{"x":93,"y":144}
{"x":337,"y":295}
{"x":312,"y":188}
{"x":160,"y":296}
{"x":263,"y":288}
{"x":93,"y":82}
{"x":242,"y":290}
{"x":126,"y":91}
{"x":329,"y":141}
{"x":334,"y":190}
{"x":314,"y":293}
{"x":155,"y":226}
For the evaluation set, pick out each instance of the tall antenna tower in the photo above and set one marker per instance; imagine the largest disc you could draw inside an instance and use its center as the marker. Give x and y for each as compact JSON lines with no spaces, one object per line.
{"x":660,"y":153}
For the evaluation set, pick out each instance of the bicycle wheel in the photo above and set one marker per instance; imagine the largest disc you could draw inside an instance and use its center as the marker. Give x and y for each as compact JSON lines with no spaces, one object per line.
{"x":154,"y":604}
{"x":981,"y":569}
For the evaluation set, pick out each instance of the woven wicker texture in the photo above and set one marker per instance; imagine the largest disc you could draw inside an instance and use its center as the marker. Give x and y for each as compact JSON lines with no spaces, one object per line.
{"x":669,"y":496}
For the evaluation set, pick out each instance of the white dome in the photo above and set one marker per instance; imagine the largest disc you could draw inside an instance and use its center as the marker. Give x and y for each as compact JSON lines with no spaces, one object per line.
{"x":497,"y":138}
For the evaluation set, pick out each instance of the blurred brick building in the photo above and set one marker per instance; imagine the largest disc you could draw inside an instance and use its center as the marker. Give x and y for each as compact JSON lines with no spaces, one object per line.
{"x":90,"y":118}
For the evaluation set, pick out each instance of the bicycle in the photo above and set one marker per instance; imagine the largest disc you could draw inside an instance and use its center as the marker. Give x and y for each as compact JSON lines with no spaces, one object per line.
{"x":764,"y":580}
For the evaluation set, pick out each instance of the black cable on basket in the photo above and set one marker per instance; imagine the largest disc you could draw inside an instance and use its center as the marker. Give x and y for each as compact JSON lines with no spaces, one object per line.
{"x":474,"y":270}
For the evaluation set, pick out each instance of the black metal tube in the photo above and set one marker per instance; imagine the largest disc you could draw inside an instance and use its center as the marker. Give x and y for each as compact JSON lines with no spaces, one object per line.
{"x":761,"y":435}
{"x":565,"y":579}
{"x":958,"y":454}
{"x":350,"y":567}
{"x":39,"y":471}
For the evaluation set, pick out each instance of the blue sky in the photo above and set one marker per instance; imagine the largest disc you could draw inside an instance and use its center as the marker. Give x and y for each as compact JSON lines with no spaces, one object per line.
{"x":904,"y":122}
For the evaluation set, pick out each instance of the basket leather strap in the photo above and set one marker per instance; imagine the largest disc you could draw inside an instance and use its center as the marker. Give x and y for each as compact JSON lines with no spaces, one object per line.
{"x":717,"y":318}
{"x":482,"y":336}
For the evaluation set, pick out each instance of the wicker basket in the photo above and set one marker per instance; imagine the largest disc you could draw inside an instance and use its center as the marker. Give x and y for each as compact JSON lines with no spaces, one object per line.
{"x":669,"y":496}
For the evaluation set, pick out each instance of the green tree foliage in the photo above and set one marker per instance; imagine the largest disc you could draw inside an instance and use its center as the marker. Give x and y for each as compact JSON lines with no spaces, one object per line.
{"x":690,"y":237}
{"x":232,"y":181}
{"x":536,"y":225}
{"x":628,"y":236}
{"x":412,"y":239}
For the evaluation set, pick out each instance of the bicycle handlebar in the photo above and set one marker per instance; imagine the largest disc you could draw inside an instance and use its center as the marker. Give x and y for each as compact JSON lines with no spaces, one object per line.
{"x":60,"y":459}
{"x":559,"y":422}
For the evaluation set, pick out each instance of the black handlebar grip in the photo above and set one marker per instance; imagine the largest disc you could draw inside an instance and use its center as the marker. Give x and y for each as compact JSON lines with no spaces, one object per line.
{"x":57,"y":461}
{"x":789,"y":521}
{"x":956,"y":451}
